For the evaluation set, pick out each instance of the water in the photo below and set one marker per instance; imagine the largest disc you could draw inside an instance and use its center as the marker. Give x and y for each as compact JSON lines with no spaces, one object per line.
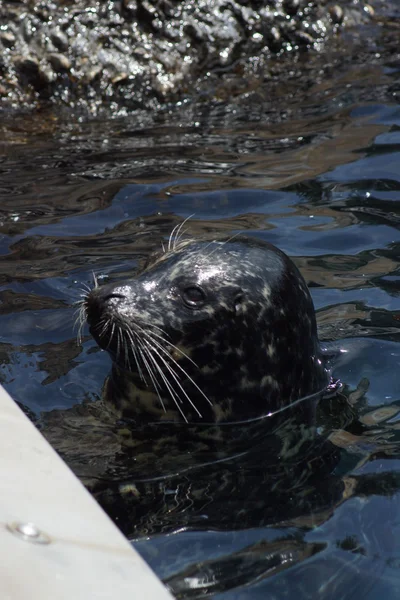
{"x":320,"y":179}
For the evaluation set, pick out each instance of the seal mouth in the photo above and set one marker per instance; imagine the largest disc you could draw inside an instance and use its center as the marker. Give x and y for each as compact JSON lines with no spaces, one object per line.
{"x":95,"y":306}
{"x":144,"y":350}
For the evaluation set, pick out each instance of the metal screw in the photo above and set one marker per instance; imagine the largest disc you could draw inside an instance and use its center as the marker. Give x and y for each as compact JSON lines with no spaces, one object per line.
{"x":28,"y":532}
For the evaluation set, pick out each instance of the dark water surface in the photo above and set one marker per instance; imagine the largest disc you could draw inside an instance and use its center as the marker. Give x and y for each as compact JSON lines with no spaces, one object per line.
{"x":321,"y":180}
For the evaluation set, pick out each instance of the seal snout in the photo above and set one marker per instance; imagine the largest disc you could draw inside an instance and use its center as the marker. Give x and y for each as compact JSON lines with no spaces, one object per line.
{"x":98,"y":301}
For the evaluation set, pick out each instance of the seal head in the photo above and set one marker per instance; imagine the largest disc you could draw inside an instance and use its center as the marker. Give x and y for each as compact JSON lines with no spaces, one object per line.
{"x":209,"y":331}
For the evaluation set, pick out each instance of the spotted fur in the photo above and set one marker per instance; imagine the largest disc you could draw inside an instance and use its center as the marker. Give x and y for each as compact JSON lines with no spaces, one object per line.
{"x":209,"y":331}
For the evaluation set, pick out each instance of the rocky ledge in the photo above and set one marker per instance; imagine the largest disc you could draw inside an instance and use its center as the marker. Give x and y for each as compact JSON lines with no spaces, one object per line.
{"x":129,"y":53}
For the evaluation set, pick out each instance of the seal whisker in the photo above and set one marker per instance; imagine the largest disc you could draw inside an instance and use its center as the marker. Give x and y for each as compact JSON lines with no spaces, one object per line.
{"x":223,"y":244}
{"x":132,"y":336}
{"x":78,"y":315}
{"x":174,"y":235}
{"x":79,"y":322}
{"x":169,"y":387}
{"x":185,"y":373}
{"x":151,"y":325}
{"x":189,"y":378}
{"x":179,"y":231}
{"x":126,"y":350}
{"x":144,"y":350}
{"x":100,"y":327}
{"x":143,"y":354}
{"x":83,"y":292}
{"x":105,"y":325}
{"x":119,"y":336}
{"x":165,"y":351}
{"x":82,"y":295}
{"x":95,"y":282}
{"x":111,"y":335}
{"x":171,"y":235}
{"x":149,"y":346}
{"x":119,"y":352}
{"x":179,"y":236}
{"x":152,"y":375}
{"x":143,"y":347}
{"x":85,"y":289}
{"x":149,"y":335}
{"x":82,"y":320}
{"x":231,"y":238}
{"x":175,"y":378}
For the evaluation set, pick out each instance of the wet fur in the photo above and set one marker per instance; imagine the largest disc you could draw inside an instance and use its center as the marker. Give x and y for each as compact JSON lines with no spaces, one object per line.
{"x":248,"y":348}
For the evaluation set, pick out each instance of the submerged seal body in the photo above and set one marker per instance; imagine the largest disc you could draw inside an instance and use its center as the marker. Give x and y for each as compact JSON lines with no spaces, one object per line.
{"x":210,"y":331}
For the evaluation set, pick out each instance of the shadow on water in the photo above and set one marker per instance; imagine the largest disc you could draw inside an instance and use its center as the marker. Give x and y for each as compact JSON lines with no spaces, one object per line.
{"x":310,"y":510}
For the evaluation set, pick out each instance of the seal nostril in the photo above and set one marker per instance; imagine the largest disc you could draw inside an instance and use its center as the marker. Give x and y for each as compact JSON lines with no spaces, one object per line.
{"x":96,"y":302}
{"x":111,"y":296}
{"x":97,"y":297}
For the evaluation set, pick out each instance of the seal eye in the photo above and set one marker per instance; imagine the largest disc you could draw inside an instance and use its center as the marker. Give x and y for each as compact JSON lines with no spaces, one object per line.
{"x":193,"y":296}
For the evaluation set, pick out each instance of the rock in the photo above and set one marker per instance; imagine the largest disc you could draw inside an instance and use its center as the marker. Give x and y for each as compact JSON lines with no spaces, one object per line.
{"x":59,"y":62}
{"x":8,"y":38}
{"x":59,"y":39}
{"x":304,"y":39}
{"x":147,"y":45}
{"x":119,"y":78}
{"x":336,"y":13}
{"x":28,"y":65}
{"x":30,"y":72}
{"x":291,"y":6}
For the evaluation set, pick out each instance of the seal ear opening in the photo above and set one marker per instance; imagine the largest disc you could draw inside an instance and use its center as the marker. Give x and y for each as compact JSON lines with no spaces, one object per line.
{"x":238,"y":303}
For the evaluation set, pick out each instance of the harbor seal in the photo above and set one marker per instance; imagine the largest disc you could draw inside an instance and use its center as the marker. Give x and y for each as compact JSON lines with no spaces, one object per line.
{"x":210,"y":331}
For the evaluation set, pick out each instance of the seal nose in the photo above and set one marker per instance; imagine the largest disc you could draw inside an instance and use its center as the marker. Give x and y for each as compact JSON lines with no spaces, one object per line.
{"x":97,"y":301}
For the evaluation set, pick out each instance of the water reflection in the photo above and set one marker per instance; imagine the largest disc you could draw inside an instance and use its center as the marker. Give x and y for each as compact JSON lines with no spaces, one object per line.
{"x":322,"y":183}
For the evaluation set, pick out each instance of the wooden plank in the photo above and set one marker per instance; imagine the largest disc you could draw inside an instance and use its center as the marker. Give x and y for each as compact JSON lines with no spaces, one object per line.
{"x":55,"y":541}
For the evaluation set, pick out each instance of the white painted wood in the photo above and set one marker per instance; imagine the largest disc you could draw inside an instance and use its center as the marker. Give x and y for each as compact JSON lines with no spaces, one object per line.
{"x":86,"y":557}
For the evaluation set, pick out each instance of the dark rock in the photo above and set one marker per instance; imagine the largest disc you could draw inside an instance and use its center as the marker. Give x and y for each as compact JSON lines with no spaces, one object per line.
{"x":28,"y":65}
{"x":30,"y":72}
{"x":303,"y":38}
{"x":274,"y":39}
{"x":336,"y":13}
{"x":7,"y":38}
{"x":291,"y":6}
{"x":59,"y":62}
{"x":59,"y":39}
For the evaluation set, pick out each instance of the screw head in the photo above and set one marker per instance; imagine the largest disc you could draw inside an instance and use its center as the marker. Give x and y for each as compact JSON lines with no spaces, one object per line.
{"x":28,"y":532}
